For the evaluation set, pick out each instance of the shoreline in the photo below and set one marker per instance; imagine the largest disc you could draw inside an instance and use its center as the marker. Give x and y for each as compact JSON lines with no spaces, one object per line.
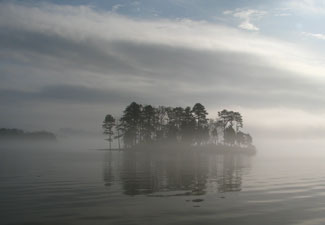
{"x":251,"y":150}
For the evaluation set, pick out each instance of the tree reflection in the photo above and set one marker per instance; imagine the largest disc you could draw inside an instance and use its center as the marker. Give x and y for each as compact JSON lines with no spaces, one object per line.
{"x":231,"y":178}
{"x":108,"y":169}
{"x":164,"y":174}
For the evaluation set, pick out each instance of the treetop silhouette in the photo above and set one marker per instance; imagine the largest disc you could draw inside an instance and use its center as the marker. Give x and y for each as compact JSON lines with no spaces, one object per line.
{"x":145,"y":124}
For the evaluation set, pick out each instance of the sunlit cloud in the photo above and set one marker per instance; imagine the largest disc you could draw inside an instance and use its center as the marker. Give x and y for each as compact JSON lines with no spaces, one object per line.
{"x":246,"y":16}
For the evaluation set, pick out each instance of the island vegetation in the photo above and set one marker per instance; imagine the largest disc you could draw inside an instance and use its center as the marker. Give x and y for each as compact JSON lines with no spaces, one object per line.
{"x":143,"y":126}
{"x":18,"y":134}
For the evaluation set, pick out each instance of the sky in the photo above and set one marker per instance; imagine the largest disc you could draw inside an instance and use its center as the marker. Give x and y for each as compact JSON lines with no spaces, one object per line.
{"x":66,"y":64}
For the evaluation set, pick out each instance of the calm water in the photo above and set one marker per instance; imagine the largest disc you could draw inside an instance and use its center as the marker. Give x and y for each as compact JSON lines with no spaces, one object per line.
{"x":69,"y":185}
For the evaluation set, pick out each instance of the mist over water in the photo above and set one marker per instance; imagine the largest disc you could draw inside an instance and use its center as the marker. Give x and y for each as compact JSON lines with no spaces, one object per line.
{"x":151,"y":112}
{"x":69,"y":182}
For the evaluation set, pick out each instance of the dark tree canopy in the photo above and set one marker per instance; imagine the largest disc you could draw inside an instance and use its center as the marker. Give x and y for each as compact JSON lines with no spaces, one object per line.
{"x":6,"y":133}
{"x":145,"y":124}
{"x":230,"y":135}
{"x":108,"y":125}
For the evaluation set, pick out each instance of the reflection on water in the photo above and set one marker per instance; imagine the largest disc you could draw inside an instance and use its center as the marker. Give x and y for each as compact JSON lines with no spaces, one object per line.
{"x":190,"y":173}
{"x":69,"y":185}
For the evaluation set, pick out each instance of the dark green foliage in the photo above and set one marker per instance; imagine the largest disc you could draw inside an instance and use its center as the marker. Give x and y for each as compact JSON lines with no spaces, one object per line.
{"x":131,"y":124}
{"x":230,"y":135}
{"x":228,"y":119}
{"x":240,"y":138}
{"x":148,"y":122}
{"x":244,"y":139}
{"x":200,"y":115}
{"x":108,"y":125}
{"x":201,"y":131}
{"x":188,"y":125}
{"x":161,"y":121}
{"x":143,"y":125}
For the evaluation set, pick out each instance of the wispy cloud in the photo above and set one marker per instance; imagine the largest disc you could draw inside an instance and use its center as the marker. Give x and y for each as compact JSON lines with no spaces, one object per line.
{"x":307,"y":6}
{"x":246,"y":16}
{"x":314,"y":35}
{"x":282,"y":12}
{"x":116,"y":7}
{"x":103,"y":59}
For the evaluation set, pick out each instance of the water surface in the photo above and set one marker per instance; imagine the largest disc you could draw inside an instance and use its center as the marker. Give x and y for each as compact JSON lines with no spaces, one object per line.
{"x":70,"y":185}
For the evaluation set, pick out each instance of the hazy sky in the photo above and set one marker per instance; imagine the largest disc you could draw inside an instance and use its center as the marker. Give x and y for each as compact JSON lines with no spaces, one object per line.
{"x":69,"y":63}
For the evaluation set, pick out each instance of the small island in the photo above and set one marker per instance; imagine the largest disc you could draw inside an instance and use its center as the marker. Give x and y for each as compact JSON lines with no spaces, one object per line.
{"x":14,"y":134}
{"x":144,"y":127}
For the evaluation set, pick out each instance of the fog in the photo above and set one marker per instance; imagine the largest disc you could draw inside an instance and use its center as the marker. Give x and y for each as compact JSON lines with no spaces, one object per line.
{"x":70,"y":75}
{"x":162,"y":112}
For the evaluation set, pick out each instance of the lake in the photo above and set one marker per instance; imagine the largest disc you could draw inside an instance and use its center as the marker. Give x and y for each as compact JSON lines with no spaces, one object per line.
{"x":61,"y":184}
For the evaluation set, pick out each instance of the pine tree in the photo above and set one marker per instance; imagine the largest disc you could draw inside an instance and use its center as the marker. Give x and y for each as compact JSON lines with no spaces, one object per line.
{"x":108,"y":125}
{"x":200,"y":115}
{"x":131,"y":124}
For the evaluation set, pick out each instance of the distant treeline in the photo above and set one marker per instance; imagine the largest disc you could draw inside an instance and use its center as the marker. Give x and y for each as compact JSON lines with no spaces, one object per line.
{"x":145,"y":124}
{"x":6,"y":133}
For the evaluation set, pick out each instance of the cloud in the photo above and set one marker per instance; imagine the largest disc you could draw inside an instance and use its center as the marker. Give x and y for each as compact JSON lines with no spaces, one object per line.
{"x":313,"y":35}
{"x":66,"y":93}
{"x":282,"y":14}
{"x":316,"y":7}
{"x":94,"y":32}
{"x":246,"y":16}
{"x":97,"y":62}
{"x":116,"y":7}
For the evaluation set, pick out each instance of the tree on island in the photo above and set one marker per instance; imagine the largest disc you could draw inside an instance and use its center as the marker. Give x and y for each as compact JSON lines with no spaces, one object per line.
{"x":148,"y":123}
{"x":227,"y":120}
{"x":188,"y":125}
{"x":131,"y":124}
{"x":108,"y":125}
{"x":201,"y":132}
{"x":244,"y":139}
{"x":118,"y":133}
{"x":17,"y":134}
{"x":145,"y":125}
{"x":230,"y":135}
